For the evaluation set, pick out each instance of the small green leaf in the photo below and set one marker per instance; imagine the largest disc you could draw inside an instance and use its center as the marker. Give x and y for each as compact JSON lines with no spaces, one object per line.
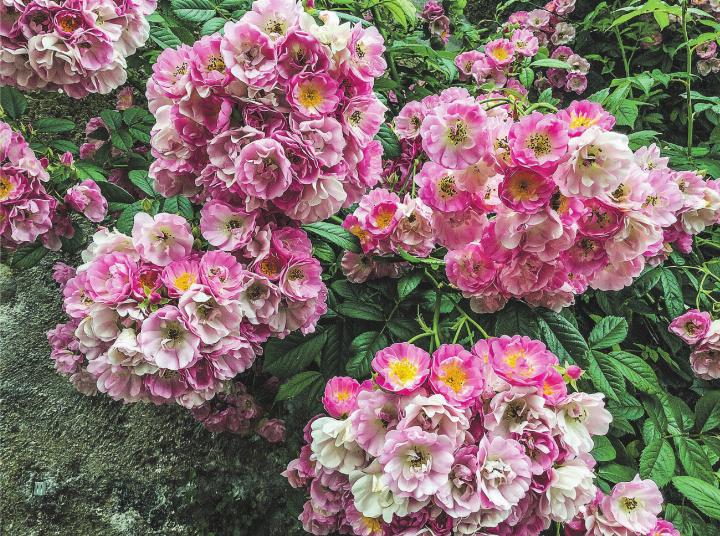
{"x":193,"y":10}
{"x":213,"y":25}
{"x":64,"y":146}
{"x":657,"y":462}
{"x":609,"y":331}
{"x":88,"y":170}
{"x":114,"y":193}
{"x":121,"y":139}
{"x":674,"y":301}
{"x":28,"y":256}
{"x":615,"y":473}
{"x":603,"y":450}
{"x":707,"y":412}
{"x":141,"y":179}
{"x":362,"y":349}
{"x":389,"y":141}
{"x":126,"y":220}
{"x":626,"y":114}
{"x":693,"y":458}
{"x":284,"y":357}
{"x":51,"y":125}
{"x":112,"y":118}
{"x":408,"y":283}
{"x":527,"y":77}
{"x":12,"y":101}
{"x":704,"y":496}
{"x":334,"y":234}
{"x":361,"y":311}
{"x":164,"y":37}
{"x":552,"y":63}
{"x":298,"y":384}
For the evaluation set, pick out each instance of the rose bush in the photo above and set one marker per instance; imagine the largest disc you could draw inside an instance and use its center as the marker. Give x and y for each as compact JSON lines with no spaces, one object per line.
{"x":492,"y":302}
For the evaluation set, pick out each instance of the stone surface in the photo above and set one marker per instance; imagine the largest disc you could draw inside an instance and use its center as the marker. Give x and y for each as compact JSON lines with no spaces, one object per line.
{"x":80,"y":465}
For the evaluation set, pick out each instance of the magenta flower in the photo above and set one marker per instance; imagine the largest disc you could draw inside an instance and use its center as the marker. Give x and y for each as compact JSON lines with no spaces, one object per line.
{"x":500,"y":52}
{"x":416,"y":463}
{"x":299,"y":51}
{"x":226,"y":227}
{"x":301,"y":279}
{"x":162,"y":238}
{"x":402,"y":368}
{"x":366,"y":53}
{"x":263,"y":170}
{"x":691,"y":326}
{"x":636,"y":504}
{"x":249,"y":54}
{"x":87,"y":199}
{"x":470,"y":269}
{"x":439,"y":188}
{"x":313,"y":95}
{"x":525,"y":190}
{"x":166,"y":339}
{"x":521,"y":361}
{"x":208,"y":319}
{"x":110,"y":278}
{"x":525,"y":43}
{"x":455,"y":135}
{"x":362,"y":117}
{"x":503,"y":473}
{"x":222,"y":274}
{"x":340,"y":396}
{"x":538,"y":142}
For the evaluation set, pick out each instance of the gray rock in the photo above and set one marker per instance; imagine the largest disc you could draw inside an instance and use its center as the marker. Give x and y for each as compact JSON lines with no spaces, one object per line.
{"x":77,"y":465}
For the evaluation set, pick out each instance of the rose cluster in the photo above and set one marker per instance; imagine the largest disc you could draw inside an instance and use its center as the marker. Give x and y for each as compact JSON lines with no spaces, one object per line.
{"x":236,"y":411}
{"x":539,"y":208}
{"x":523,"y":35}
{"x":77,"y":46}
{"x":154,"y":319}
{"x":438,"y":23}
{"x":27,"y":211}
{"x":278,"y":113}
{"x":488,"y":440}
{"x":699,"y":330}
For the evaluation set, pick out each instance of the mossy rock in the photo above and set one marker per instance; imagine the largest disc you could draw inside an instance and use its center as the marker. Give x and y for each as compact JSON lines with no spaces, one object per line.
{"x":77,"y":465}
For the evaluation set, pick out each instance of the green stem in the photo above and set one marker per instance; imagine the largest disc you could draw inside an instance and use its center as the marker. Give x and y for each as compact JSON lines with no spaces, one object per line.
{"x":336,"y":219}
{"x":473,"y":322}
{"x":436,"y":317}
{"x":388,"y":55}
{"x":626,"y":63}
{"x":537,"y":105}
{"x":688,"y":79}
{"x":420,"y":336}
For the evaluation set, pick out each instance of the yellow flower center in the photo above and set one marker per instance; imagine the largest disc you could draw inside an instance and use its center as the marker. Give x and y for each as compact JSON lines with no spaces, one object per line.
{"x":296,"y":274}
{"x":512,"y":359}
{"x":216,"y":63}
{"x":309,"y":96}
{"x":372,"y":523}
{"x":629,"y":503}
{"x":500,"y":53}
{"x":446,"y":187}
{"x":522,"y":186}
{"x":384,"y":218}
{"x":539,"y":143}
{"x":403,"y":370}
{"x":6,"y":188}
{"x":342,"y":396}
{"x":184,"y":281}
{"x":458,"y":133}
{"x":582,"y":120}
{"x":454,"y":376}
{"x":270,"y":266}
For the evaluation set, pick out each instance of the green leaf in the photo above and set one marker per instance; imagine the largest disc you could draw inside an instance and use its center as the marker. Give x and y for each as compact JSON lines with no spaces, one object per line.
{"x":568,"y":342}
{"x":112,"y":118}
{"x":114,"y":193}
{"x":141,"y":179}
{"x":707,"y":412}
{"x":334,"y":234}
{"x":126,"y":220}
{"x":362,"y":349}
{"x":603,"y":450}
{"x":615,"y":473}
{"x":626,"y":114}
{"x":28,"y":256}
{"x":164,"y":37}
{"x":121,"y":139}
{"x":693,"y":458}
{"x":361,"y":311}
{"x":324,"y":252}
{"x":12,"y":101}
{"x":609,"y":331}
{"x":403,"y":328}
{"x":179,"y":204}
{"x":408,"y":283}
{"x":193,"y":10}
{"x":298,"y":384}
{"x":637,"y":371}
{"x":213,"y":25}
{"x":527,"y":77}
{"x":389,"y":141}
{"x":674,"y":301}
{"x":552,"y":63}
{"x":64,"y":146}
{"x":603,"y":375}
{"x":516,"y":319}
{"x":88,"y":170}
{"x":51,"y":125}
{"x":284,"y":357}
{"x":705,"y":497}
{"x":646,"y":282}
{"x":657,"y":462}
{"x":76,"y":243}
